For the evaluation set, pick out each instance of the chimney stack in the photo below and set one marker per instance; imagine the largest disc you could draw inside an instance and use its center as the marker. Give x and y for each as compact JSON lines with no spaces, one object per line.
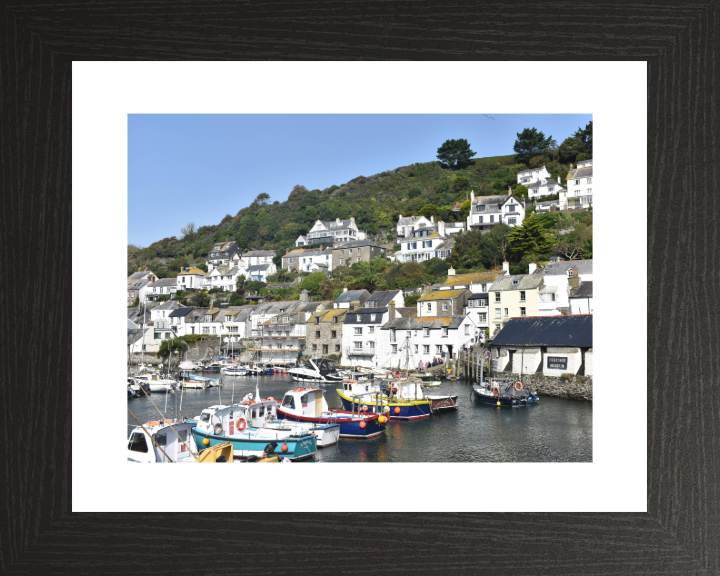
{"x":574,"y":280}
{"x":304,"y":296}
{"x":532,"y":267}
{"x":345,"y":289}
{"x":451,"y":271}
{"x":509,"y":190}
{"x":337,"y":220}
{"x":354,"y":304}
{"x":391,"y":309}
{"x":506,"y":268}
{"x":432,"y":219}
{"x":472,"y":196}
{"x":441,"y":228}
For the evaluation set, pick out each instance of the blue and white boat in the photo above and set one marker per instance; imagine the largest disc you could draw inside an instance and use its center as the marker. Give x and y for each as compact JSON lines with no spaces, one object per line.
{"x":308,"y":405}
{"x":235,"y":370}
{"x":504,"y":393}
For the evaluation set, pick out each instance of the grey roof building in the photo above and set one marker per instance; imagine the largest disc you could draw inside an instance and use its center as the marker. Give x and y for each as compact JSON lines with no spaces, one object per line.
{"x":554,"y":331}
{"x":584,"y":267}
{"x":381,"y":298}
{"x":348,"y":296}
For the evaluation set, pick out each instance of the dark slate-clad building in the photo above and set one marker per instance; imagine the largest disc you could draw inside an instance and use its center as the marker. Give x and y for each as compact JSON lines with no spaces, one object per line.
{"x":552,"y":345}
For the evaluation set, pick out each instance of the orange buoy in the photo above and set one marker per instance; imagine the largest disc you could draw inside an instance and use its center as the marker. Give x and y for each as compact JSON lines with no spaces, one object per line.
{"x":365,"y":408}
{"x":362,"y":424}
{"x":284,"y":447}
{"x":397,"y":409}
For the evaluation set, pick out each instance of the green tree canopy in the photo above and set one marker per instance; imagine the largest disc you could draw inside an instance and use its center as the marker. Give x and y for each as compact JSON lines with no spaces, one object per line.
{"x":455,"y":153}
{"x":530,"y":238}
{"x":429,"y":210}
{"x":530,"y":142}
{"x":312,"y":283}
{"x":570,"y":148}
{"x":585,"y":136}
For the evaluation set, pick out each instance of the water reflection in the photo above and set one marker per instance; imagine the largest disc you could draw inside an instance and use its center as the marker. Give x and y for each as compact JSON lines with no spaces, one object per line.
{"x":556,"y":430}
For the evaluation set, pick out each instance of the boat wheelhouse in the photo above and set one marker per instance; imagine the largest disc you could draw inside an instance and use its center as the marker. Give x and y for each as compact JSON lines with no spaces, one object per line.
{"x":160,"y":440}
{"x":398,"y":400}
{"x":504,"y":393}
{"x":309,"y":405}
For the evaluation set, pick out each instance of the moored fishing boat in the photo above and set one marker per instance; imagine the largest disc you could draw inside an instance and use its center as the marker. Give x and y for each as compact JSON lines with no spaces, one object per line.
{"x":316,"y":372}
{"x":242,"y":426}
{"x":504,"y":393}
{"x":235,"y":370}
{"x":308,"y":405}
{"x":399,"y":401}
{"x":157,"y":383}
{"x":162,"y":441}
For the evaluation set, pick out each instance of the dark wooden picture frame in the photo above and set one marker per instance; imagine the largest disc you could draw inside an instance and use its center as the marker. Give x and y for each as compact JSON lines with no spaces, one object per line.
{"x":680,"y":533}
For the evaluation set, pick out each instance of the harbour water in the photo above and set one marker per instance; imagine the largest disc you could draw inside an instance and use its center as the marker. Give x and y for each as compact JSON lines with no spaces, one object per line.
{"x":555,"y":430}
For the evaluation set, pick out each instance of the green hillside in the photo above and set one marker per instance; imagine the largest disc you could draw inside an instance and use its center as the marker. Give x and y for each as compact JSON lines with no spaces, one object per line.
{"x":374,"y":201}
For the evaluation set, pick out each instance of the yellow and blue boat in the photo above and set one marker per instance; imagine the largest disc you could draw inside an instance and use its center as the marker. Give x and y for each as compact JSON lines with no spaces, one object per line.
{"x":398,"y":401}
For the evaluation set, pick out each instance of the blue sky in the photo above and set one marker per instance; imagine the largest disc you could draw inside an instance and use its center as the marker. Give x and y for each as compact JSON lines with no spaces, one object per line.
{"x":198,"y":168}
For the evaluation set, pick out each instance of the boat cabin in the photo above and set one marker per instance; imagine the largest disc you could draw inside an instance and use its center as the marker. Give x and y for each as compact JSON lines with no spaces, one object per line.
{"x":233,"y":420}
{"x":179,"y":446}
{"x":305,"y":402}
{"x":323,"y":366}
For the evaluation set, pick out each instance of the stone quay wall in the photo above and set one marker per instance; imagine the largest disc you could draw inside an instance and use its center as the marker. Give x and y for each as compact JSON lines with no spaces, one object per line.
{"x":572,"y":388}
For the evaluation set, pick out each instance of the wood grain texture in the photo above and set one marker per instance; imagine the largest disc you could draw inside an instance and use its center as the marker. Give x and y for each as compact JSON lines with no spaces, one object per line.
{"x":681,"y":532}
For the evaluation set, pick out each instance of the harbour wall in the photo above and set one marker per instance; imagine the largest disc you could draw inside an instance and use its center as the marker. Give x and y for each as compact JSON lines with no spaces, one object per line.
{"x":573,"y":388}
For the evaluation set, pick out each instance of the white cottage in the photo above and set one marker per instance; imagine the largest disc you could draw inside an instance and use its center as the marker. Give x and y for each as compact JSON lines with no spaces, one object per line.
{"x":361,"y":335}
{"x":487,"y":211}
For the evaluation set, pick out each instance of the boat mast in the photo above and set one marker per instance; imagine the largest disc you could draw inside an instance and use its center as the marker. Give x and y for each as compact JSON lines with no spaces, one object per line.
{"x":142,"y":351}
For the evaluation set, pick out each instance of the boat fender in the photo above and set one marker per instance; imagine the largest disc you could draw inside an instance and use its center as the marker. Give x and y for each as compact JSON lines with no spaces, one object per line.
{"x":241,"y":423}
{"x":284,"y":447}
{"x":496,"y":391}
{"x":397,"y":409}
{"x":518,"y":385}
{"x":218,"y":429}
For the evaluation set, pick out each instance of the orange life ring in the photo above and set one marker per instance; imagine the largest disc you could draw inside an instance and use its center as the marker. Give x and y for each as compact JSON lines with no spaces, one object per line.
{"x":241,"y":423}
{"x":298,"y":390}
{"x":518,"y":385}
{"x":496,"y":391}
{"x":270,"y":398}
{"x":246,"y":401}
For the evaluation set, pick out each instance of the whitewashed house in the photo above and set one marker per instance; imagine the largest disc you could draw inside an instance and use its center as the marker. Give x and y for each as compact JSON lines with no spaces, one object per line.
{"x":138,"y":285}
{"x":578,"y":195}
{"x":162,"y":287}
{"x":331,"y":232}
{"x":487,"y":211}
{"x":190,"y":278}
{"x":544,"y":187}
{"x":559,"y":274}
{"x":258,"y":257}
{"x":442,"y":303}
{"x":424,"y":243}
{"x":179,"y":320}
{"x":530,"y":175}
{"x":222,"y":277}
{"x":160,"y":314}
{"x":382,"y":298}
{"x":303,"y":260}
{"x":361,"y":335}
{"x":260,"y":272}
{"x":414,"y":339}
{"x":478,"y":309}
{"x":408,"y":224}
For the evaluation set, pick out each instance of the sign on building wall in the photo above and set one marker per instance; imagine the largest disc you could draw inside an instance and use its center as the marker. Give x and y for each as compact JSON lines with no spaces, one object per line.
{"x":557,"y":363}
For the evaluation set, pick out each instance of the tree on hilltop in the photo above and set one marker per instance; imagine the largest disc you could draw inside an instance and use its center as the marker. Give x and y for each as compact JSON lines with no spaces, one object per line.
{"x":530,"y":142}
{"x":455,"y":153}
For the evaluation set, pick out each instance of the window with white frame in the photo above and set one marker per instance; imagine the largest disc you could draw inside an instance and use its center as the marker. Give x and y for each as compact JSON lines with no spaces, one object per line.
{"x":445,"y":332}
{"x":426,"y":348}
{"x":372,"y":345}
{"x":481,"y":303}
{"x":512,"y":220}
{"x":497,"y":296}
{"x":467,"y":329}
{"x":481,"y":208}
{"x":358,"y":331}
{"x":511,"y":207}
{"x":426,"y":332}
{"x":394,"y":348}
{"x":429,"y":306}
{"x":522,"y":295}
{"x":506,"y":313}
{"x":444,"y":306}
{"x":358,"y":345}
{"x":522,"y":312}
{"x":482,"y":317}
{"x":206,"y":329}
{"x":438,"y":349}
{"x":416,"y":348}
{"x":497,"y":312}
{"x":588,"y":181}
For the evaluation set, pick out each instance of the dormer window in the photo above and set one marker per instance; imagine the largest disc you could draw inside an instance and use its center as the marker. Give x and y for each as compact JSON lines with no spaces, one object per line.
{"x":516,"y":282}
{"x":481,"y":208}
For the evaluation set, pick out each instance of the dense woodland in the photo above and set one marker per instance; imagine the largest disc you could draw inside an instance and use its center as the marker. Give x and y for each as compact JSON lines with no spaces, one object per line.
{"x":430,"y":188}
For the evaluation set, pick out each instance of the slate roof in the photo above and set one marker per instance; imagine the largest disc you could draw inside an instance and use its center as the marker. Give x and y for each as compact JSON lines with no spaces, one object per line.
{"x":334,"y":225}
{"x":164,"y":282}
{"x":582,"y":291}
{"x":382,"y":297}
{"x":580,"y":173}
{"x":304,"y":252}
{"x":449,"y":244}
{"x":442,"y":295}
{"x":479,"y":296}
{"x":139,"y":275}
{"x":525,"y":282}
{"x":407,"y":312}
{"x":180,"y":312}
{"x":168,"y":305}
{"x":539,"y":183}
{"x":133,"y":335}
{"x":351,"y":296}
{"x":561,"y":267}
{"x":260,"y":253}
{"x":137,"y":284}
{"x":364,"y":316}
{"x":492,"y":203}
{"x":410,"y":220}
{"x":258,"y":268}
{"x":355,"y":244}
{"x":485,"y":277}
{"x":432,"y":322}
{"x":531,"y":170}
{"x":575,"y":331}
{"x":327,"y":315}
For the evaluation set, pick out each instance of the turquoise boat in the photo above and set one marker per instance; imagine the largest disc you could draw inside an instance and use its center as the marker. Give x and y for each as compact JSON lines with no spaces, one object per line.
{"x":243,"y":425}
